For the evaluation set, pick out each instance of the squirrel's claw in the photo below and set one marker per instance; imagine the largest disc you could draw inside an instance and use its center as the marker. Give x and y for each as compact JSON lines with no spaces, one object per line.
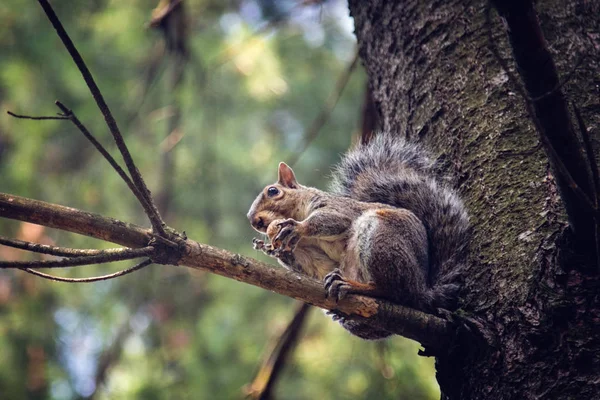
{"x":287,"y":238}
{"x":284,"y":255}
{"x":338,"y":290}
{"x":337,"y":316}
{"x":334,"y":275}
{"x":335,"y":285}
{"x":266,"y":248}
{"x":258,"y":244}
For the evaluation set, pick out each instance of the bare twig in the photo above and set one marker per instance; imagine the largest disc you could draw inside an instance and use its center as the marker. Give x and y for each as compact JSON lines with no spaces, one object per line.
{"x":117,"y":255}
{"x":53,"y":250}
{"x":262,"y":386}
{"x":118,"y":274}
{"x":20,"y":116}
{"x":69,"y":114}
{"x":148,"y":204}
{"x":313,"y":131}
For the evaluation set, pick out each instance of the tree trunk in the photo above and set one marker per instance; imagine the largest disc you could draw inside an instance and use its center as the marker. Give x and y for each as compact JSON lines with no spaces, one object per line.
{"x":531,"y":293}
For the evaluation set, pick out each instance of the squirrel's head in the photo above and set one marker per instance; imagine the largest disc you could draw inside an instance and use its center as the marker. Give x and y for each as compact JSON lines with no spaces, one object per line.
{"x":280,"y":200}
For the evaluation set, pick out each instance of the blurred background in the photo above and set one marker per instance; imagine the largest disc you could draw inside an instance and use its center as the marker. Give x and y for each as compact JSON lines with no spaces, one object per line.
{"x":210,"y":95}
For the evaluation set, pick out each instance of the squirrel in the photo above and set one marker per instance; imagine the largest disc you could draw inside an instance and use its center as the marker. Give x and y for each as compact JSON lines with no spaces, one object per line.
{"x":388,"y":228}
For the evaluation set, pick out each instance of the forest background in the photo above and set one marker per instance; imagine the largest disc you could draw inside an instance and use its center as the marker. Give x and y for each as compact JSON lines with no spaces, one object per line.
{"x":207,"y":117}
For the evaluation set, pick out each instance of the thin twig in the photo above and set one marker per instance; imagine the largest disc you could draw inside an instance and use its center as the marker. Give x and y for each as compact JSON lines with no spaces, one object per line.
{"x":148,"y":205}
{"x":69,"y":114}
{"x":119,"y":255}
{"x":20,"y":116}
{"x":318,"y":123}
{"x":118,"y":274}
{"x":262,"y":386}
{"x":53,"y":250}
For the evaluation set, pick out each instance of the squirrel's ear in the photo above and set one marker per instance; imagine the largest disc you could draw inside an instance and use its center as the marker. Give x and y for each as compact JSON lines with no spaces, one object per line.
{"x":286,"y":176}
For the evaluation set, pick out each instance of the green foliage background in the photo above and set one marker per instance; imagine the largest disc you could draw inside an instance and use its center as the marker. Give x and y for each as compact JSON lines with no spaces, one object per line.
{"x":250,"y":91}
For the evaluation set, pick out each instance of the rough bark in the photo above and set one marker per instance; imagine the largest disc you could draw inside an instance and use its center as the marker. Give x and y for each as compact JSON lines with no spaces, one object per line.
{"x":435,"y":80}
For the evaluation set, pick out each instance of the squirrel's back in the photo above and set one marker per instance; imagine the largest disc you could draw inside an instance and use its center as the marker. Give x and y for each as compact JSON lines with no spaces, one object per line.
{"x":392,"y":171}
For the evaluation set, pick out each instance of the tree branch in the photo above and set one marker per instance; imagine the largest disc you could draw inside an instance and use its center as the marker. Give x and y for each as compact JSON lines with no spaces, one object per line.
{"x":73,"y":220}
{"x":263,"y":384}
{"x":434,"y":332}
{"x":148,"y":204}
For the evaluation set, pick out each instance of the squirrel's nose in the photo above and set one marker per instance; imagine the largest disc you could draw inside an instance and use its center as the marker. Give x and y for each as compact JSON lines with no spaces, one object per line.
{"x":258,"y":223}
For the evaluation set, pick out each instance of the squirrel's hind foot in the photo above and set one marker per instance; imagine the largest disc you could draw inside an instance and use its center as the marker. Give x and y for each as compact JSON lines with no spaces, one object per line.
{"x":337,"y":287}
{"x":337,"y":316}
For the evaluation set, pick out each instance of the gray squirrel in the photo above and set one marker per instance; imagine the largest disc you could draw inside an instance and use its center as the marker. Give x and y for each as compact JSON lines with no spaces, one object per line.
{"x":388,"y":229}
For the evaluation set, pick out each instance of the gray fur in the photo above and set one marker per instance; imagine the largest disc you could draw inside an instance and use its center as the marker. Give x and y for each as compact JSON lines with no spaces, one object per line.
{"x":389,"y":229}
{"x":392,"y":171}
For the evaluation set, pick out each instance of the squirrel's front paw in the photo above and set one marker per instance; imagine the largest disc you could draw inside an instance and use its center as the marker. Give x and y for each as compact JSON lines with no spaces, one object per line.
{"x":266,"y":248}
{"x":287,"y":236}
{"x":258,"y":244}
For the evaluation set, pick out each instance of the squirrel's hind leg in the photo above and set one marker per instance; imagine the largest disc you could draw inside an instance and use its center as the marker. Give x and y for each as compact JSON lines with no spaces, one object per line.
{"x":390,"y":248}
{"x":337,"y":286}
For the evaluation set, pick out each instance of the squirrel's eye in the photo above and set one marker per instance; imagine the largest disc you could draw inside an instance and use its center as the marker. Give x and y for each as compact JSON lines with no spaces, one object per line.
{"x":272,"y":191}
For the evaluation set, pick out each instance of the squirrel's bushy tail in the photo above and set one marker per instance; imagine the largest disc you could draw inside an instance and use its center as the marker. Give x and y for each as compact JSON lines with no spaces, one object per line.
{"x":392,"y":171}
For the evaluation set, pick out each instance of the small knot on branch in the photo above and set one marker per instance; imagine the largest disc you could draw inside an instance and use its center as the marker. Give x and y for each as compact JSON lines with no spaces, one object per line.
{"x":168,"y":250}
